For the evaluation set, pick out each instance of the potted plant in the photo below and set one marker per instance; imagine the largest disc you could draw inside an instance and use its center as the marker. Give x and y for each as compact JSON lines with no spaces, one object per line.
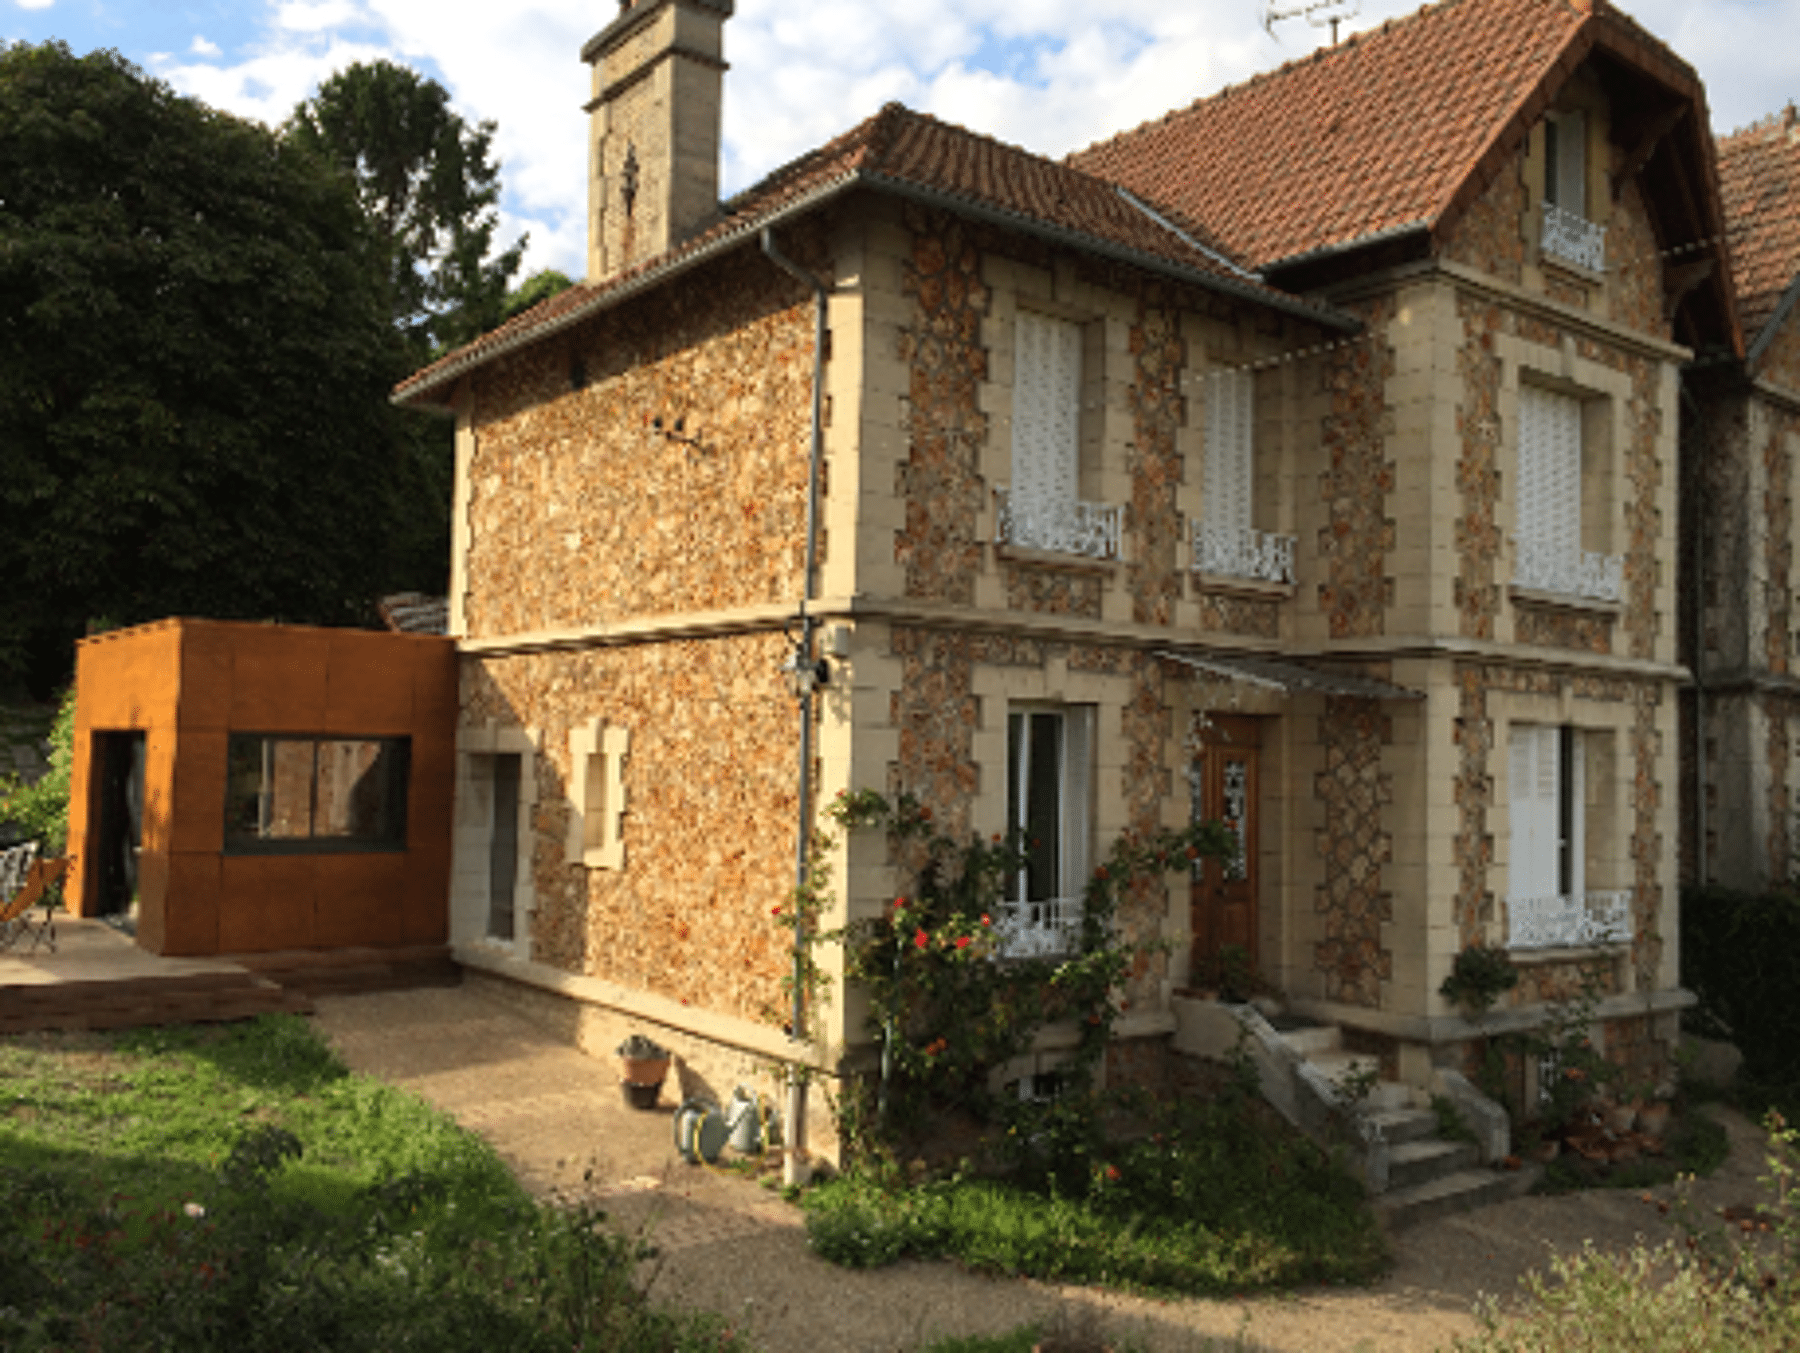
{"x":1477,"y":978}
{"x":643,"y":1065}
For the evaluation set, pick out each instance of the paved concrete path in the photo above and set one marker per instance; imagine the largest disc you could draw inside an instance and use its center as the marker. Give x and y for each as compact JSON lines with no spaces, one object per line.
{"x":730,"y":1245}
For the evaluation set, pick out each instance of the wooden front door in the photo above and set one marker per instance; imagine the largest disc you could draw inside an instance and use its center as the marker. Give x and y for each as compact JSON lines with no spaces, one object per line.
{"x":1223,"y":893}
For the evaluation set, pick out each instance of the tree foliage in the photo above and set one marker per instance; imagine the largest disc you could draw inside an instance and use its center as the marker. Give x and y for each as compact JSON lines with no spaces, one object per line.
{"x":195,"y":354}
{"x":430,"y":188}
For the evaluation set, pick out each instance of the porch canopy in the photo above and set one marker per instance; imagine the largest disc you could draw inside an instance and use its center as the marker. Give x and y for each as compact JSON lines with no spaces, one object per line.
{"x":1289,"y":676}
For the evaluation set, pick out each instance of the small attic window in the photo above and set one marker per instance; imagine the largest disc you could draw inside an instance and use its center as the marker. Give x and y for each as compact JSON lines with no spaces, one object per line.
{"x":1565,"y":161}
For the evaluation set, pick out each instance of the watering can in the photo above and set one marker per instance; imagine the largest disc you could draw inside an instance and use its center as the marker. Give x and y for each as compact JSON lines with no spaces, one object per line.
{"x":743,"y":1121}
{"x":699,"y":1131}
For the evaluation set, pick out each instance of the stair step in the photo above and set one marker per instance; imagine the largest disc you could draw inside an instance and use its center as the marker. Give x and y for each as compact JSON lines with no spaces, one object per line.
{"x":1309,"y":1042}
{"x":1403,"y":1125}
{"x":1459,"y":1192}
{"x":1415,"y":1163}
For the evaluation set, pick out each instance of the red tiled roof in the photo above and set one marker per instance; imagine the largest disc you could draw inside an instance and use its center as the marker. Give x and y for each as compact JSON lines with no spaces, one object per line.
{"x":1390,"y":128}
{"x":1759,"y":178}
{"x":903,"y":151}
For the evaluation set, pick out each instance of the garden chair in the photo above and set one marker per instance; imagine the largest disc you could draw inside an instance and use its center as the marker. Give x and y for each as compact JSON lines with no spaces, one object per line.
{"x":25,"y":883}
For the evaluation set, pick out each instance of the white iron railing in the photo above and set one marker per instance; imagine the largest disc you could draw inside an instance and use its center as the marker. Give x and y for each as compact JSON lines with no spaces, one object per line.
{"x":1044,"y":929}
{"x":1243,"y":552}
{"x":1573,"y":573}
{"x":1573,"y":238}
{"x":1070,"y":527}
{"x":1568,"y":921}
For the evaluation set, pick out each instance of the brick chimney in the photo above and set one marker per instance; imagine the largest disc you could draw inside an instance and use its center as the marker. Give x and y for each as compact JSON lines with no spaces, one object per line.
{"x":653,"y":166}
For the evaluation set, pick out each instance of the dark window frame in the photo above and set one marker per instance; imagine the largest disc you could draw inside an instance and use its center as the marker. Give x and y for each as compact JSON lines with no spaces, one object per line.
{"x":393,"y":760}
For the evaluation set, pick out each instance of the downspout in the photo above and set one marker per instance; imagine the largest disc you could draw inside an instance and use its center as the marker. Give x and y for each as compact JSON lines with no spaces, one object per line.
{"x":805,"y":661}
{"x":1697,"y":590}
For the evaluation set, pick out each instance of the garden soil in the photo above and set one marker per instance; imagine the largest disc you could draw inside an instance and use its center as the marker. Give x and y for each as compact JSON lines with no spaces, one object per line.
{"x":730,"y":1245}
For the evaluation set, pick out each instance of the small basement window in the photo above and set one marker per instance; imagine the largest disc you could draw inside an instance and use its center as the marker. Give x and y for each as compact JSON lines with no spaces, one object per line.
{"x":288,"y":794}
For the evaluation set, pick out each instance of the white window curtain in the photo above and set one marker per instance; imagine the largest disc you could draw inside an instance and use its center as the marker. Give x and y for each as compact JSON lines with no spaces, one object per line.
{"x":1547,"y":842}
{"x":1048,"y":752}
{"x":1565,"y":169}
{"x":1549,"y":487}
{"x":1228,"y":485}
{"x":1046,"y":470}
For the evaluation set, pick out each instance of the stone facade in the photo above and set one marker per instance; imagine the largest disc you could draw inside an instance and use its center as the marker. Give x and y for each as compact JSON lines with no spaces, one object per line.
{"x":1355,"y":847}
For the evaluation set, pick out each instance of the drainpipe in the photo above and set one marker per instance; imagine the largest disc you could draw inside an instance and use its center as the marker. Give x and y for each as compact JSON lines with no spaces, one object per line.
{"x":805,"y":664}
{"x":1697,"y":590}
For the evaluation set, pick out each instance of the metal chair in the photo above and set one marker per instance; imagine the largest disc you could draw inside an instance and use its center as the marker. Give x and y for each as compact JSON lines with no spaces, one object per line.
{"x":25,"y":882}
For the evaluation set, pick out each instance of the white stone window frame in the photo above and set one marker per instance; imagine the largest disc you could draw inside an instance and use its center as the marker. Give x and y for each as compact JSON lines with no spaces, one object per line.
{"x":1539,"y":919}
{"x":1592,"y":578}
{"x":597,"y":796}
{"x":1056,"y":438}
{"x":1227,"y":542}
{"x":476,"y":745}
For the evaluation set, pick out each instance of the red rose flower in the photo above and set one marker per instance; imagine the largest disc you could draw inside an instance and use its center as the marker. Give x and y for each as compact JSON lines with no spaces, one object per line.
{"x":986,"y":919}
{"x":921,"y":939}
{"x":962,"y":941}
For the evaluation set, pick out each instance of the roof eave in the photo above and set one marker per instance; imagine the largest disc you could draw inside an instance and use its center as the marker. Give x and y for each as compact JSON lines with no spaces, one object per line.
{"x":610,"y":297}
{"x":1766,"y":335}
{"x":1329,"y":316}
{"x":1386,"y":235}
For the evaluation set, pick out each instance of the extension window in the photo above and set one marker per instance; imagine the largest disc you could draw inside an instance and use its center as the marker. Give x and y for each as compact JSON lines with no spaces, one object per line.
{"x":288,"y":794}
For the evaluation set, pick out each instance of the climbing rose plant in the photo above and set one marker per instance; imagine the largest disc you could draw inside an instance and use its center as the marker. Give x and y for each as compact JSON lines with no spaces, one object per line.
{"x":946,"y":1007}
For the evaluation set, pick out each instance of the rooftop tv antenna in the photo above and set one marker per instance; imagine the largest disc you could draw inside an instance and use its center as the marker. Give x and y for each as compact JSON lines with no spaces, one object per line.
{"x":1318,"y":13}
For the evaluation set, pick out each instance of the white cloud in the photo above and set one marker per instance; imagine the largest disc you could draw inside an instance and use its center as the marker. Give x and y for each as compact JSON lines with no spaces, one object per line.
{"x":201,"y":47}
{"x":34,"y":4}
{"x":317,"y":16}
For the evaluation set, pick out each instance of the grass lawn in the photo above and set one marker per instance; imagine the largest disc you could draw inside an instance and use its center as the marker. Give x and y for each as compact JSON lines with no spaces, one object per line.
{"x":235,"y":1187}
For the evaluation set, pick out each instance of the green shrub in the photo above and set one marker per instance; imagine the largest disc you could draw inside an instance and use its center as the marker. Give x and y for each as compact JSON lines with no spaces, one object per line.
{"x":40,"y":811}
{"x":1220,"y":1202}
{"x":1740,"y":954}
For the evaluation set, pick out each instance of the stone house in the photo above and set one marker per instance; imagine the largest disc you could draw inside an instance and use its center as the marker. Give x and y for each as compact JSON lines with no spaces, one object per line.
{"x":1742,"y":435}
{"x":1305,"y":459}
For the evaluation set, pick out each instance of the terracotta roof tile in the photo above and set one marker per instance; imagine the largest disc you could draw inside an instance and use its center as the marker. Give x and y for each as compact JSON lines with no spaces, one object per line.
{"x":1376,"y":133}
{"x":1759,"y":179}
{"x":902,"y":150}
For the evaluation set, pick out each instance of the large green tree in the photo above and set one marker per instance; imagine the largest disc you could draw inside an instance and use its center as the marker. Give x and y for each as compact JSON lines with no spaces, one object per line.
{"x":431,"y":189}
{"x":195,"y":351}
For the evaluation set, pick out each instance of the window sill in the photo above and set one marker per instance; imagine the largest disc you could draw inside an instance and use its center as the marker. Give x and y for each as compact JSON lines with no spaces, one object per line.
{"x":1260,"y":588}
{"x":1568,"y":270}
{"x":1056,"y":559}
{"x":1574,"y":953}
{"x":1564,"y":601}
{"x":314,"y":847}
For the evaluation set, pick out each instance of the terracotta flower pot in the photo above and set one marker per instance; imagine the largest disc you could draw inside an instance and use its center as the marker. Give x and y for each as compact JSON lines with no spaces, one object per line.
{"x":643,"y":1070}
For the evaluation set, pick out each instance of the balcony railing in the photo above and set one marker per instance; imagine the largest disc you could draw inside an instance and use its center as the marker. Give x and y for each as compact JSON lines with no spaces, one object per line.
{"x":1573,"y":238}
{"x":1243,"y":552}
{"x":1066,"y":527}
{"x":1044,"y":929}
{"x":1572,"y":573}
{"x":1570,"y":921}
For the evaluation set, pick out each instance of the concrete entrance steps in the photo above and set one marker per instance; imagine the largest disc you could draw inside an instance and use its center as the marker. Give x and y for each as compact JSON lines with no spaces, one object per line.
{"x":1427,"y":1176}
{"x":135,"y":1001}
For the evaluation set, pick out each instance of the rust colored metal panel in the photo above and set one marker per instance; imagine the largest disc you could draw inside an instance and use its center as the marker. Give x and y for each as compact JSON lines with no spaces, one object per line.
{"x":427,"y":890}
{"x":278,"y":679}
{"x":189,"y":911}
{"x":266,"y":902}
{"x":369,"y":683}
{"x":360,"y":900}
{"x":207,"y":649}
{"x":197,"y":817}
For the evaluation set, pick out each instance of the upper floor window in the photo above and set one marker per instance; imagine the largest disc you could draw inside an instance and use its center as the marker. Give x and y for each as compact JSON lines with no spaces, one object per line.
{"x":286,"y":793}
{"x":1226,"y":542}
{"x":1043,"y":509}
{"x":1567,"y":232}
{"x":1550,"y":499}
{"x":1047,"y":754}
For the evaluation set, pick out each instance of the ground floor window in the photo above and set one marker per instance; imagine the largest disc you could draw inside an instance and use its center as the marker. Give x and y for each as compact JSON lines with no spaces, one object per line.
{"x":1048,"y":751}
{"x":1549,"y":902}
{"x":299,"y":793}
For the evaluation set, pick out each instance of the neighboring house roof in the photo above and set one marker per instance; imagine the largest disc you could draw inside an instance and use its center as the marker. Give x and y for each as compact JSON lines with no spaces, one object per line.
{"x":1393,"y":129}
{"x":415,"y":613}
{"x":1759,"y":178}
{"x":912,"y":155}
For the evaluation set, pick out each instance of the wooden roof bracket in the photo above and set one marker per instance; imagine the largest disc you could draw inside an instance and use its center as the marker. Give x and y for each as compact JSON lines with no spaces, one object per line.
{"x":1640,"y":154}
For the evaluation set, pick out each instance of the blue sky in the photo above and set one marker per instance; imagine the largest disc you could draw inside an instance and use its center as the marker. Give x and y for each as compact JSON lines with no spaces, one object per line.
{"x":1048,"y":74}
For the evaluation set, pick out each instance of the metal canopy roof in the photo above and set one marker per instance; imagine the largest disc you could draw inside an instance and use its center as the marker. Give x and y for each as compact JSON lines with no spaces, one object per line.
{"x":1290,"y":677}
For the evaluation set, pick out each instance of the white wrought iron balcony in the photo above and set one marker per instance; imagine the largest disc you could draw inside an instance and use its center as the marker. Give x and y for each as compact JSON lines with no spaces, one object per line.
{"x":1570,"y":921}
{"x":1046,"y":929}
{"x":1061,"y":527}
{"x":1549,"y":567}
{"x":1243,"y":552}
{"x":1573,"y":238}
